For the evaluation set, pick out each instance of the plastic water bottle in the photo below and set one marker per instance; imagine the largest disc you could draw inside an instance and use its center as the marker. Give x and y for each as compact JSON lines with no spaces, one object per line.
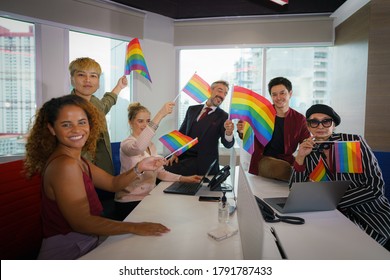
{"x":223,"y":210}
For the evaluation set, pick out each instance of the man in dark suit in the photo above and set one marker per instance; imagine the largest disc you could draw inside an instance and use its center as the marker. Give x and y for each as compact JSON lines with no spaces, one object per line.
{"x":209,"y":123}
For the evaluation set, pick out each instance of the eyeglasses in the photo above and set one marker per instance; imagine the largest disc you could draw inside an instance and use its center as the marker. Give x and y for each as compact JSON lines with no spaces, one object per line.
{"x":313,"y":123}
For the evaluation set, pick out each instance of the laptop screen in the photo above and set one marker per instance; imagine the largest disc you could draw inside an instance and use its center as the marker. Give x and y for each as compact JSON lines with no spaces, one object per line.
{"x":205,"y":179}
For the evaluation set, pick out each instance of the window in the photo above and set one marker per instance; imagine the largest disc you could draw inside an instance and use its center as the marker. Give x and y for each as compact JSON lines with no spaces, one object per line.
{"x":110,"y":54}
{"x":17,"y":84}
{"x":244,"y":67}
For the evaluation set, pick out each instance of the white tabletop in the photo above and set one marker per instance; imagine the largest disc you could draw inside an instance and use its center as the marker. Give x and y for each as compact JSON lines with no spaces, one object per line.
{"x":189,"y":221}
{"x":325,"y":234}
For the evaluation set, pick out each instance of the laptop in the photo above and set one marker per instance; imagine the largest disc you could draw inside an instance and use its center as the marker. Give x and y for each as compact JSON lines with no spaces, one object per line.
{"x":189,"y":188}
{"x":310,"y":196}
{"x":250,"y":222}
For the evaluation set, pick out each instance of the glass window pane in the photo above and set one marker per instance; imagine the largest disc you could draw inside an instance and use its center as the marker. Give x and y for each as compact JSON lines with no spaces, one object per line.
{"x":308,"y":70}
{"x":17,"y":84}
{"x":110,"y":54}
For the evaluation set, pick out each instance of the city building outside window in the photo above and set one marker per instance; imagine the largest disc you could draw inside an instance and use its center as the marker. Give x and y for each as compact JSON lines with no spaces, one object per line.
{"x":17,"y":84}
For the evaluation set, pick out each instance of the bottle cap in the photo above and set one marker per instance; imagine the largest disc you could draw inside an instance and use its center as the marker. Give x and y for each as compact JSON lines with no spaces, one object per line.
{"x":224,"y":197}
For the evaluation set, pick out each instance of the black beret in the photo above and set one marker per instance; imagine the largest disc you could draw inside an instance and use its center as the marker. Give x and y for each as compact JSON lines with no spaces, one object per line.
{"x":323,"y":109}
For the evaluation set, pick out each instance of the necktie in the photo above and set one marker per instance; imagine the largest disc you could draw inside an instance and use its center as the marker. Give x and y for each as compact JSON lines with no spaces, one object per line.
{"x":205,"y":113}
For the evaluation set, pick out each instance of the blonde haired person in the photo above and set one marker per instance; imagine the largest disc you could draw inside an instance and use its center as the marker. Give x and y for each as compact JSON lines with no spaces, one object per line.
{"x":137,"y":147}
{"x":64,"y":128}
{"x":85,"y":75}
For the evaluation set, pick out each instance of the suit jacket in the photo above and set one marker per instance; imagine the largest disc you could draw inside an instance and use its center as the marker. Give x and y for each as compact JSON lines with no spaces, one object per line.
{"x":208,"y":140}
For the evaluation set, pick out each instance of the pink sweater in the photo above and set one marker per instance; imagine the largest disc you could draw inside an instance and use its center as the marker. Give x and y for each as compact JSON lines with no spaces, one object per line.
{"x":133,"y":150}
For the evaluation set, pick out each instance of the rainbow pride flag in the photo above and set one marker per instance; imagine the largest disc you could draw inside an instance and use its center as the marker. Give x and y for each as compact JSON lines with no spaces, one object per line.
{"x":319,"y":172}
{"x":258,"y":111}
{"x":135,"y":60}
{"x":197,"y":88}
{"x":348,"y":157}
{"x":177,"y":142}
{"x":248,"y":138}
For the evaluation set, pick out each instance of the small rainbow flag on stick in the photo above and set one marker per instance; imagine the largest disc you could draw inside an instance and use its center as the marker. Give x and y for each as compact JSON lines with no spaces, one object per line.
{"x":319,"y":172}
{"x":249,"y":106}
{"x":197,"y":88}
{"x":135,"y":60}
{"x":248,"y":138}
{"x":177,"y":142}
{"x":348,"y":157}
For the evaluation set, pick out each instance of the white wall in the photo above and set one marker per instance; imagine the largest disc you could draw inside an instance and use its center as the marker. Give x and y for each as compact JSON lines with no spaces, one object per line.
{"x":161,"y":65}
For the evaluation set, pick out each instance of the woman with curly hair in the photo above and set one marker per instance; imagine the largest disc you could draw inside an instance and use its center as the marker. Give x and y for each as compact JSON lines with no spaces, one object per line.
{"x":71,"y":210}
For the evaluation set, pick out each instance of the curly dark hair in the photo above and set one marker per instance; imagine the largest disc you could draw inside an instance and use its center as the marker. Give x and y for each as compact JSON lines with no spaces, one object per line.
{"x":41,"y":143}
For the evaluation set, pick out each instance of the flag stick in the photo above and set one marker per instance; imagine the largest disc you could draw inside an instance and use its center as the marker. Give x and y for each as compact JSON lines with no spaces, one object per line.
{"x":181,"y":148}
{"x":174,"y":100}
{"x":230,"y":100}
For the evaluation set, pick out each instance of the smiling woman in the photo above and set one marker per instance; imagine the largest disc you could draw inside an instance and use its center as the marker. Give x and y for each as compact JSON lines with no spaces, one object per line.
{"x":71,"y":210}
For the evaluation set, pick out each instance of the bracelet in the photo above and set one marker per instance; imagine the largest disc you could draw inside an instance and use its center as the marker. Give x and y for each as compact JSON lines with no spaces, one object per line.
{"x":136,"y":171}
{"x":153,"y":125}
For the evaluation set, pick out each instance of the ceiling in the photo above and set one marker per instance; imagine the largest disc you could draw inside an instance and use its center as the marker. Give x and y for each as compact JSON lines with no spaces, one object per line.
{"x":191,"y":9}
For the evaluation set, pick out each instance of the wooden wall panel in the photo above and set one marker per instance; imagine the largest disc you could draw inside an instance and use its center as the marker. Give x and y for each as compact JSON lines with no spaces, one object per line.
{"x":349,"y":72}
{"x":378,"y":77}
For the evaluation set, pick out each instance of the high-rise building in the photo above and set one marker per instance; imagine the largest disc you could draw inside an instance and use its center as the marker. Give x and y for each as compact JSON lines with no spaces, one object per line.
{"x":17,"y":87}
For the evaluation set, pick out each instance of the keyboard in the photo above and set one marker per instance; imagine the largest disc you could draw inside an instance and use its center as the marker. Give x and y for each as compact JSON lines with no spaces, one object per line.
{"x":183,"y":188}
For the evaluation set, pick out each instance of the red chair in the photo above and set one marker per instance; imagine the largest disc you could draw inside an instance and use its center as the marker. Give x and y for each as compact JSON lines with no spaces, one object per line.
{"x":20,"y":220}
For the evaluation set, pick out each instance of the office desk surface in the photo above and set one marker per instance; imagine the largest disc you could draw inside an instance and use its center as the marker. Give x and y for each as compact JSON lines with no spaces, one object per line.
{"x":189,"y":221}
{"x":325,"y":234}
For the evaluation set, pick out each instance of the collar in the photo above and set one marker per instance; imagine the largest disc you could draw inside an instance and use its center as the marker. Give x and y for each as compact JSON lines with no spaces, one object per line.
{"x":213,"y":108}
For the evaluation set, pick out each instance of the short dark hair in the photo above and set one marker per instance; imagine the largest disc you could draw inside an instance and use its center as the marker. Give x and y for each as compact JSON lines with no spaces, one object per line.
{"x":279,"y":81}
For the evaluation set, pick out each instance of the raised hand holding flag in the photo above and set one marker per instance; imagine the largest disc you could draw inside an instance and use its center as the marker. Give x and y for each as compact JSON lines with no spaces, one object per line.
{"x":258,"y":111}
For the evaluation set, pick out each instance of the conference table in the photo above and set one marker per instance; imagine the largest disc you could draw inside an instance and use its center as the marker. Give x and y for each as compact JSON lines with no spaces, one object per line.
{"x":326,"y":235}
{"x":189,"y":220}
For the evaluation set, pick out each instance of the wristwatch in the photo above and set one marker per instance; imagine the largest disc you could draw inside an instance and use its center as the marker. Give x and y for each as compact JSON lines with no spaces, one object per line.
{"x":136,"y":171}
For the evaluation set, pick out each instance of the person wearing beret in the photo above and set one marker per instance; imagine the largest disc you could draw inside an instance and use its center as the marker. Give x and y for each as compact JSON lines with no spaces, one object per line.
{"x":364,"y":202}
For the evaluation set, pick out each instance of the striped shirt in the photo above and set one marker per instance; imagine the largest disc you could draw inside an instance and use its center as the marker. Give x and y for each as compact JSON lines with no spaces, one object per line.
{"x":364,"y":203}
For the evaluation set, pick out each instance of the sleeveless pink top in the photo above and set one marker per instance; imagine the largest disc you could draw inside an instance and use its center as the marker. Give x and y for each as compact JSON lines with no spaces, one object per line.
{"x":54,"y":222}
